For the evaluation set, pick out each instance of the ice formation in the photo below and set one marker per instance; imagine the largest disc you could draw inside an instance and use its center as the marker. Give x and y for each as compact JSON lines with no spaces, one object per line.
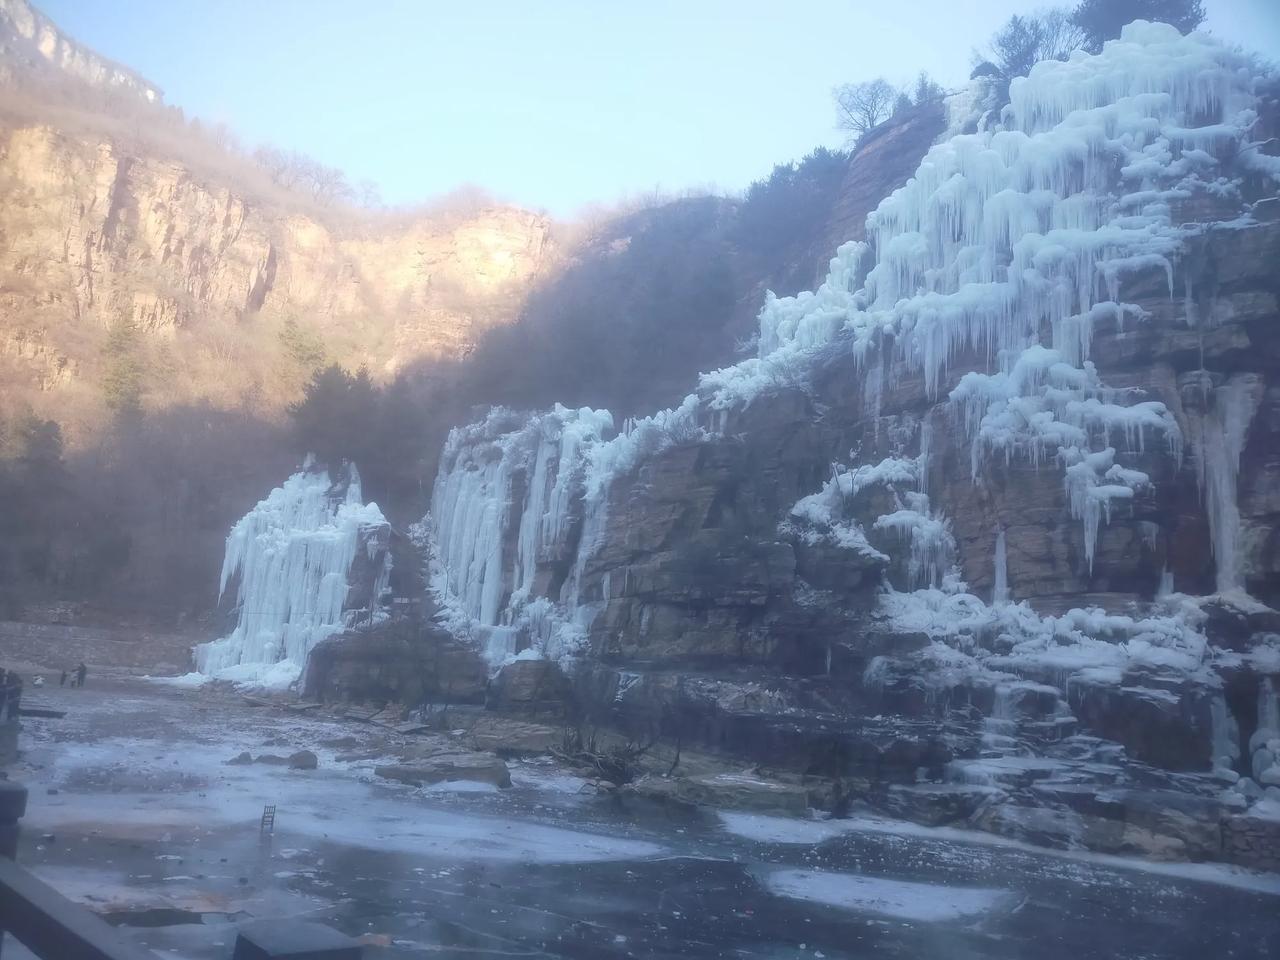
{"x":986,"y":274}
{"x":1010,"y":244}
{"x":1000,"y":587}
{"x":1218,"y":440}
{"x":509,"y":492}
{"x":289,"y":559}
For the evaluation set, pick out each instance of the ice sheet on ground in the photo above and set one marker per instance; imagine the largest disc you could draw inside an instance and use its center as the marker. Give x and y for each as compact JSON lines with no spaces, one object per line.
{"x":892,"y":898}
{"x":766,"y":829}
{"x":323,"y":803}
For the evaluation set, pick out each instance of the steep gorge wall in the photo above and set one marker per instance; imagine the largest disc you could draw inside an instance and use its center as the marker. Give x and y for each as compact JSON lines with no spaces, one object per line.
{"x":92,"y":233}
{"x":27,"y":35}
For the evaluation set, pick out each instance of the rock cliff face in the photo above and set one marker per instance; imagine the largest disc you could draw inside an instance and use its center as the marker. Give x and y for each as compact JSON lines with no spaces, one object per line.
{"x":94,"y":234}
{"x":987,"y":533}
{"x":29,"y":37}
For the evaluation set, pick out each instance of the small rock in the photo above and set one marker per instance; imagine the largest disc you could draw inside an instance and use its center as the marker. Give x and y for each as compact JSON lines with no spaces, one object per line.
{"x":340,"y":742}
{"x":241,"y":758}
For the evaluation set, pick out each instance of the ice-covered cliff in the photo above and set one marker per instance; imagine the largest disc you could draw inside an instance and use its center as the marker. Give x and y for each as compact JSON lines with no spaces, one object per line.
{"x":996,"y":493}
{"x":994,"y":264}
{"x":304,"y":563}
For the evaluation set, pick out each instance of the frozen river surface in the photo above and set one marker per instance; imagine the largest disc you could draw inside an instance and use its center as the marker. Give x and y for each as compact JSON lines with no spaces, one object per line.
{"x":134,"y":812}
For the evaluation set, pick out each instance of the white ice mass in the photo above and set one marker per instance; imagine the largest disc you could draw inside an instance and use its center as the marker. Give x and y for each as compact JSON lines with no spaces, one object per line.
{"x":1009,"y":242}
{"x":289,"y":559}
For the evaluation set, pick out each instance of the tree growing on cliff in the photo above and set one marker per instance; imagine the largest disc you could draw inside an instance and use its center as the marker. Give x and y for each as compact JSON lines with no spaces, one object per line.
{"x":778,"y":213}
{"x":292,"y":170}
{"x":1025,"y":40}
{"x":337,"y":416}
{"x":124,"y":368}
{"x":927,"y":89}
{"x":303,"y":346}
{"x":1102,"y":20}
{"x":862,"y":106}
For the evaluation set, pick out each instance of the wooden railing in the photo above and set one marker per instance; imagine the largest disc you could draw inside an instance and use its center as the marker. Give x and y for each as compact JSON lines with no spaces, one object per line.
{"x":46,"y":922}
{"x":54,"y":928}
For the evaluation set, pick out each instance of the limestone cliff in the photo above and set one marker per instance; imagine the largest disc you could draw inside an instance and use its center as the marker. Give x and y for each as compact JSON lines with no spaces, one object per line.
{"x":93,"y":233}
{"x":209,"y":266}
{"x":30,"y":39}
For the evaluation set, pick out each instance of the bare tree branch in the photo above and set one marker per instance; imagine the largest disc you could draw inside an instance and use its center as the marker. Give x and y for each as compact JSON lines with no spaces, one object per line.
{"x":861,"y":106}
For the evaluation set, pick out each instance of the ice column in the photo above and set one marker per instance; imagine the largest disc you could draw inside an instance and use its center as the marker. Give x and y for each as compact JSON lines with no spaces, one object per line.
{"x":291,"y":556}
{"x":1000,"y":590}
{"x":1220,"y":443}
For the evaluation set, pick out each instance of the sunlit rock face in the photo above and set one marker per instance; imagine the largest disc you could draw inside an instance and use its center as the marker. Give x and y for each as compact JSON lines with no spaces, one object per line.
{"x":309,"y":560}
{"x":209,"y":262}
{"x":28,"y":35}
{"x":102,"y":229}
{"x":999,"y":489}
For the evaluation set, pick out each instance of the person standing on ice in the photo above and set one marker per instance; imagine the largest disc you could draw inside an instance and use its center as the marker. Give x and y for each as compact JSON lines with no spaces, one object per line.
{"x":62,"y":682}
{"x":81,"y":672}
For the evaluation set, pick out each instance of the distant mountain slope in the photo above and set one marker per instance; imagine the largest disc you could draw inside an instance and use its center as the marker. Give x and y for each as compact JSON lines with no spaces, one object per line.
{"x":116,"y":214}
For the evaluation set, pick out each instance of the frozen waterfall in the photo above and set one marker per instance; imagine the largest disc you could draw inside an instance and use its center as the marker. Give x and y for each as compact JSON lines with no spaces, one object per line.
{"x":986,"y":274}
{"x":1009,"y":245}
{"x":290,"y":559}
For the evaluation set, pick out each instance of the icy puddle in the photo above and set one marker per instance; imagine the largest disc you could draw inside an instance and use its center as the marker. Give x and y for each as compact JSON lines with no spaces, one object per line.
{"x":135,"y":813}
{"x":890,"y":898}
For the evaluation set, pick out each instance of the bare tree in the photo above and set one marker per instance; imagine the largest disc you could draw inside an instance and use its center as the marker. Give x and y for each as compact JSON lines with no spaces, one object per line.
{"x":1062,"y":35}
{"x":370,"y":194}
{"x":276,"y":164}
{"x":293,"y":170}
{"x":328,"y":184}
{"x":861,"y":106}
{"x":1024,"y":41}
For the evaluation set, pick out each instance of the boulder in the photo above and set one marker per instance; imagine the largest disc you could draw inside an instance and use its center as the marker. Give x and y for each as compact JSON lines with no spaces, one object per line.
{"x":271,"y":760}
{"x":936,"y":804}
{"x":534,"y":687}
{"x":730,"y":791}
{"x":397,"y":660}
{"x":303,"y":760}
{"x":507,"y":737}
{"x":449,"y":767}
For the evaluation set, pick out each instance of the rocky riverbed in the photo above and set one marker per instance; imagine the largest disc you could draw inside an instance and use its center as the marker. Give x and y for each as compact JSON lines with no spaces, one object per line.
{"x":136,"y":813}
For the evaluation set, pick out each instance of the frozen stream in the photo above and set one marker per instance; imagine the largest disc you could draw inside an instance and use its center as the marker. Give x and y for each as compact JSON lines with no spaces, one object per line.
{"x":145,"y":814}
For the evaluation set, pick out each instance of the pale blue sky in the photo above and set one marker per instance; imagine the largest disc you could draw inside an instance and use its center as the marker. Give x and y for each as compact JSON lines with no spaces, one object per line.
{"x":552,"y":104}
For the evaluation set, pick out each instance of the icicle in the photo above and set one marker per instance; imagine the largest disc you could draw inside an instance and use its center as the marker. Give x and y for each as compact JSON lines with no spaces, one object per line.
{"x":931,"y":544}
{"x":926,"y":449}
{"x":292,"y":554}
{"x":473,"y":504}
{"x":1224,"y":734}
{"x":1000,"y":589}
{"x":1221,"y":443}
